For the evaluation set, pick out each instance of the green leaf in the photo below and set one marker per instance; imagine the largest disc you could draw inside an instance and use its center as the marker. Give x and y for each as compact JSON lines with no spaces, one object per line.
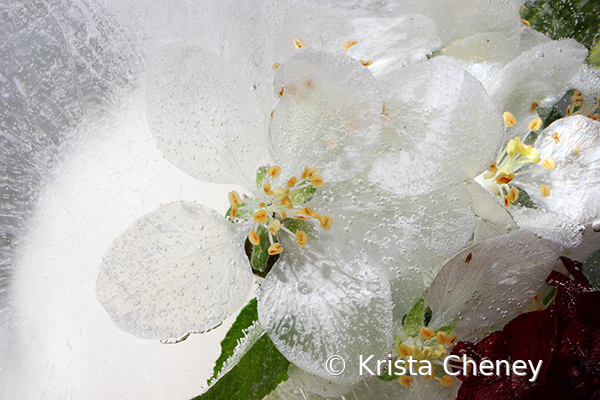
{"x":261,"y":175}
{"x":260,"y":253}
{"x":244,"y":215}
{"x":302,"y":195}
{"x":414,"y":319}
{"x":245,"y":319}
{"x":260,"y":370}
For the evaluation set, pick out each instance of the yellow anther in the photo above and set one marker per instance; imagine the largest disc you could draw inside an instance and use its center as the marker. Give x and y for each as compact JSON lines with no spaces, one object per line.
{"x":493,"y":168}
{"x":283,"y":214}
{"x":526,"y":23}
{"x":511,"y":146}
{"x":275,"y":249}
{"x":452,"y":339}
{"x":234,"y":211}
{"x":234,"y":198}
{"x":404,"y":351}
{"x":430,"y":376}
{"x":299,"y":44}
{"x":267,"y":189}
{"x":545,"y":190}
{"x":261,"y":217}
{"x":447,"y":381}
{"x":534,"y":105}
{"x":366,"y":63}
{"x":442,"y":349}
{"x":308,"y":172}
{"x":595,"y":117}
{"x":316,"y":216}
{"x":405,"y":380}
{"x":570,"y":108}
{"x":521,"y":148}
{"x":513,"y":194}
{"x":274,"y":172}
{"x":262,"y":204}
{"x":577,"y":98}
{"x":292,"y":182}
{"x":326,"y":222}
{"x":489,"y":175}
{"x":535,"y":124}
{"x":349,"y":44}
{"x":253,"y":237}
{"x":428,"y":352}
{"x":532,"y":154}
{"x":509,"y":119}
{"x":317,"y":181}
{"x":302,"y":217}
{"x":441,"y":337}
{"x":307,"y":210}
{"x":286,"y":201}
{"x":275,"y":66}
{"x":279,"y":192}
{"x":548,"y":163}
{"x":301,"y":238}
{"x":427,"y":333}
{"x":275,"y":226}
{"x":506,"y":201}
{"x":555,"y":137}
{"x":503,"y":178}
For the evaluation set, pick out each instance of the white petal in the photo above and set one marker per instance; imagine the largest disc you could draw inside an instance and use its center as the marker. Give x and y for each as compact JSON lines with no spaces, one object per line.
{"x":177,"y":270}
{"x":548,"y":225}
{"x":376,"y":234}
{"x":329,"y":115}
{"x":204,"y":115}
{"x":315,"y":384}
{"x":440,"y":126}
{"x":489,"y":47}
{"x":577,"y":172}
{"x":313,"y":311}
{"x":590,"y":219}
{"x":491,"y":282}
{"x":493,"y":219}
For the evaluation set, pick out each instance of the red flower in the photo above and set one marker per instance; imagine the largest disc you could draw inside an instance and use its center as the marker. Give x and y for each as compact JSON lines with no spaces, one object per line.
{"x":565,"y":337}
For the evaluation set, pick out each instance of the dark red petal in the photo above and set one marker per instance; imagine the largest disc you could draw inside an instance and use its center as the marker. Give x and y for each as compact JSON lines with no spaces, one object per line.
{"x":574,"y":268}
{"x":588,"y":307}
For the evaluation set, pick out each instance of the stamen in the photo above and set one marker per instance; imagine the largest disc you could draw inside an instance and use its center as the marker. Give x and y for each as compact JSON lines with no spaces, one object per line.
{"x":503,"y":178}
{"x":511,"y":146}
{"x":569,"y":110}
{"x":526,"y":23}
{"x":234,"y":198}
{"x":326,"y":222}
{"x":447,"y":381}
{"x":405,"y":380}
{"x":317,"y":181}
{"x":535,"y":124}
{"x":366,"y":63}
{"x":261,"y":217}
{"x":545,"y":190}
{"x":274,"y":172}
{"x":349,"y":44}
{"x":267,"y":189}
{"x":299,"y":44}
{"x":534,"y":105}
{"x":275,"y":249}
{"x":275,"y":66}
{"x":427,"y":333}
{"x":441,"y":337}
{"x":506,"y":201}
{"x":549,"y":163}
{"x":292,"y":182}
{"x":283,"y":214}
{"x":509,"y":119}
{"x":275,"y":226}
{"x":308,"y":172}
{"x":493,"y":168}
{"x":577,"y":98}
{"x":253,"y":237}
{"x":404,"y":351}
{"x":555,"y":137}
{"x":301,"y":238}
{"x":513,"y":194}
{"x":234,"y":211}
{"x":317,"y":216}
{"x":452,"y":339}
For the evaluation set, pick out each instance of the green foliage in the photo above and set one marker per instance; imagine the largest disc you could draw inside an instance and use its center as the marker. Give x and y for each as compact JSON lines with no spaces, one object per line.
{"x":303,"y":195}
{"x":414,"y":319}
{"x":261,"y":175}
{"x":576,"y":19}
{"x":260,"y":253}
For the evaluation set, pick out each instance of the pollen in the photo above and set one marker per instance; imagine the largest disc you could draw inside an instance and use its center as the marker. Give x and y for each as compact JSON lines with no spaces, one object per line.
{"x":299,"y":44}
{"x":405,"y":380}
{"x":545,"y":190}
{"x":261,"y":217}
{"x":509,"y":119}
{"x":366,"y":63}
{"x":275,"y":249}
{"x":326,"y":222}
{"x":234,"y":198}
{"x":427,"y":333}
{"x":274,"y":172}
{"x":549,"y":163}
{"x":535,"y":124}
{"x":555,"y":137}
{"x":513,"y":194}
{"x":253,"y":238}
{"x":405,"y":351}
{"x":275,"y":66}
{"x":317,"y":181}
{"x":301,"y":238}
{"x":441,"y":337}
{"x":447,"y":381}
{"x":349,"y":44}
{"x":292,"y":182}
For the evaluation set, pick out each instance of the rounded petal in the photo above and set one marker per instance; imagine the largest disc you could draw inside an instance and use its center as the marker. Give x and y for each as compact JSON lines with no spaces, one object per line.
{"x":440,"y":128}
{"x":490,"y":282}
{"x":379,"y":235}
{"x":178,"y":270}
{"x":492,"y":218}
{"x":205,"y":116}
{"x":313,"y":311}
{"x":577,"y":172}
{"x":328,"y":115}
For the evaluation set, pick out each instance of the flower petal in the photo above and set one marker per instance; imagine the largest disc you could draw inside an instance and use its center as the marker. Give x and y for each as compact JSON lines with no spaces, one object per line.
{"x":204,"y":115}
{"x":328,"y":115}
{"x":490,"y":282}
{"x":577,"y":171}
{"x":378,"y":235}
{"x":177,"y":270}
{"x":441,"y":128}
{"x":493,"y":219}
{"x":312,"y":311}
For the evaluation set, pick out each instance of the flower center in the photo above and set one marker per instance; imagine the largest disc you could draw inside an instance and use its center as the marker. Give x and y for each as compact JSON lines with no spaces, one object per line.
{"x":280,"y":209}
